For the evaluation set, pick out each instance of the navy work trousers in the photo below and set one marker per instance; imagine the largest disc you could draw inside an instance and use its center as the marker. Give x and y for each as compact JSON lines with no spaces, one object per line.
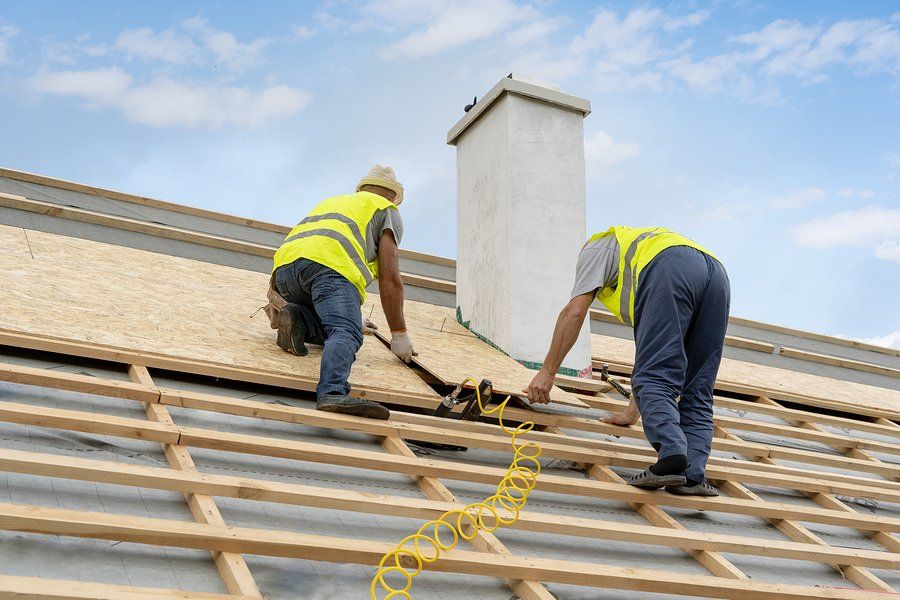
{"x":681,"y":312}
{"x":331,"y":308}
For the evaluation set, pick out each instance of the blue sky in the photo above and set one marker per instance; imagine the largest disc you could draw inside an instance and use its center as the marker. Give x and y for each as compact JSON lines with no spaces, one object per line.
{"x":770,"y":132}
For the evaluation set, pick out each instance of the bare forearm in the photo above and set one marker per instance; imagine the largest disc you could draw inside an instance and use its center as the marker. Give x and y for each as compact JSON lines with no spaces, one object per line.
{"x":568,"y":325}
{"x":391,"y":290}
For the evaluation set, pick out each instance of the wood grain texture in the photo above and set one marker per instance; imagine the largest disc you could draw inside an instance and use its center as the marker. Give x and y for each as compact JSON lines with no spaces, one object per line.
{"x":452,"y":353}
{"x":266,"y":542}
{"x":141,"y":301}
{"x":40,"y":588}
{"x":802,"y":388}
{"x":232,"y":567}
{"x":440,"y":501}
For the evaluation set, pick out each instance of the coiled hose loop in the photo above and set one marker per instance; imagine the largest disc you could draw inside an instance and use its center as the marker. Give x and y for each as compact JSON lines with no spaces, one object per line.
{"x":502,"y":508}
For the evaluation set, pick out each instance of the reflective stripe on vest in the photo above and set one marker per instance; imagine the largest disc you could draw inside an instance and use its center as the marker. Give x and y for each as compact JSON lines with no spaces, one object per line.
{"x":626,"y":282}
{"x":334,"y":235}
{"x":344,"y":242}
{"x":637,"y":247}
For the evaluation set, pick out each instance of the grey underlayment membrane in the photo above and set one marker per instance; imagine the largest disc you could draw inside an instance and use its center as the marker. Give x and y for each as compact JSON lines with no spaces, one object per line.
{"x":142,"y":565}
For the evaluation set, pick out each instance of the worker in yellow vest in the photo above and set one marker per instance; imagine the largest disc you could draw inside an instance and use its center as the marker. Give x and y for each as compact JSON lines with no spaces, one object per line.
{"x":676,"y":296}
{"x":319,"y":282}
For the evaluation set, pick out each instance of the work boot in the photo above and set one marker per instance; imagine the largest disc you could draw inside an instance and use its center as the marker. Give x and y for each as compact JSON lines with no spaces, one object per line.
{"x":652,"y":481}
{"x":352,"y":406}
{"x":697,"y":489}
{"x":291,"y":330}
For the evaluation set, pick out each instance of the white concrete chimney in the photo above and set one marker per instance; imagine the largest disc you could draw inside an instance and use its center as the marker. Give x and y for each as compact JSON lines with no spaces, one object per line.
{"x":520,"y":217}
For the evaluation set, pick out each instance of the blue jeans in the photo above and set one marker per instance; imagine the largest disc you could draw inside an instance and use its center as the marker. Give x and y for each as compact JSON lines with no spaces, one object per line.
{"x":330,"y":305}
{"x":681,"y":312}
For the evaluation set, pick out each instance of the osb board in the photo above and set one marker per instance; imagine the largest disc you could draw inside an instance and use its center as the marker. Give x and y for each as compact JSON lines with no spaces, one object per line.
{"x":794,"y":386}
{"x":135,"y":300}
{"x":452,"y":353}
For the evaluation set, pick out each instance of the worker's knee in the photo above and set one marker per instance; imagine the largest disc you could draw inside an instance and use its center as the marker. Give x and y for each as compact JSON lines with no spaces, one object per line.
{"x":349,"y":336}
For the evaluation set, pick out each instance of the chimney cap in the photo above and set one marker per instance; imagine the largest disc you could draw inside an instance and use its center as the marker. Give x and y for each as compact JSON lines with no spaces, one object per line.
{"x":512,"y":85}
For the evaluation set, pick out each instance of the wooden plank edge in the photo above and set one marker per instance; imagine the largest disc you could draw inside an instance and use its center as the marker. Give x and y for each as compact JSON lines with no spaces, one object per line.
{"x":50,"y":521}
{"x":42,"y":588}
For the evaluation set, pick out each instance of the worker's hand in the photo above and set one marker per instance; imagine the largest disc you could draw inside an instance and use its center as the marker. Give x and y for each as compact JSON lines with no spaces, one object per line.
{"x":539,"y":389}
{"x":402,"y":346}
{"x":368,"y":326}
{"x":624,"y":418}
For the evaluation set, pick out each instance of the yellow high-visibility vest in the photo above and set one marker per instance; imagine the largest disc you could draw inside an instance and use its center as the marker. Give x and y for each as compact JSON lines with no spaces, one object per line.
{"x":637,"y":247}
{"x":334,"y":234}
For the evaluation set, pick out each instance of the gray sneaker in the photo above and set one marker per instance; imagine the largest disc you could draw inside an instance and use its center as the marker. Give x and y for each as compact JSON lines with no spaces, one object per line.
{"x":651,"y":481}
{"x":352,"y":406}
{"x":699,"y":489}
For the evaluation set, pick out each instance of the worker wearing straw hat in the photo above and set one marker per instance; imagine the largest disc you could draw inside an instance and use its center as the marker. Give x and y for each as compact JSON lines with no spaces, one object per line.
{"x":319,"y":281}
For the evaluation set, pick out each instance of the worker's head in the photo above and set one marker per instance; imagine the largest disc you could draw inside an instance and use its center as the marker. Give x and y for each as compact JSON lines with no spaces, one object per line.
{"x":382,"y":181}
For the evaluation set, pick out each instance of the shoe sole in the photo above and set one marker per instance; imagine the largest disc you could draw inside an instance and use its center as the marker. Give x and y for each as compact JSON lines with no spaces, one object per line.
{"x":679,"y":492}
{"x":661,"y":481}
{"x":368,"y":410}
{"x":289,"y":322}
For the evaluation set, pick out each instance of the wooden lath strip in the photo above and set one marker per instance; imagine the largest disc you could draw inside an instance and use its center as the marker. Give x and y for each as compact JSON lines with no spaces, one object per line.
{"x":748,"y":424}
{"x":232,"y":567}
{"x":665,"y":532}
{"x":838,"y":361}
{"x":711,"y":560}
{"x":100,"y":352}
{"x":266,"y":542}
{"x":40,"y":588}
{"x":804,"y":399}
{"x":160,"y":432}
{"x":858,"y":575}
{"x":831,"y":502}
{"x":295,"y":450}
{"x":596,"y":452}
{"x":483,"y":540}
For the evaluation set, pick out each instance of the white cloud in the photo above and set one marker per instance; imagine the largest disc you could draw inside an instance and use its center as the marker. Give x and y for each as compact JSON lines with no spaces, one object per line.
{"x":167,"y":46}
{"x":889,"y":250}
{"x":447,"y":25}
{"x":95,"y":84}
{"x":166,"y":102}
{"x":192,"y":41}
{"x":890,"y":340}
{"x":602,"y":150}
{"x":7,"y":32}
{"x":68,"y":53}
{"x":892,"y":158}
{"x":692,"y":20}
{"x":535,"y":31}
{"x":302,"y":32}
{"x":803,"y":198}
{"x":854,"y":193}
{"x":164,"y":95}
{"x":224,"y":45}
{"x":872,"y":227}
{"x":650,"y":49}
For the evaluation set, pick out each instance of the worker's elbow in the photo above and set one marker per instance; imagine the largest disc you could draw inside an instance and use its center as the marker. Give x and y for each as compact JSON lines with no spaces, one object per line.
{"x":572,"y":312}
{"x":392,"y":282}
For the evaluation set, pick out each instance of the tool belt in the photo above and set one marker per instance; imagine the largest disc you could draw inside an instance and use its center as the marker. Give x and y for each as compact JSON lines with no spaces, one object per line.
{"x":276,"y":303}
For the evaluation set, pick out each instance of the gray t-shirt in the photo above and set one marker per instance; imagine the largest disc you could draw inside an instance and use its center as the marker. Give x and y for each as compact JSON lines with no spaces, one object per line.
{"x":598,"y":266}
{"x":386,"y":218}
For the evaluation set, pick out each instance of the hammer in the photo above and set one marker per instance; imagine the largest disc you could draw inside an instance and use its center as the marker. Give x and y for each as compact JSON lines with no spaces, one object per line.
{"x":604,"y":376}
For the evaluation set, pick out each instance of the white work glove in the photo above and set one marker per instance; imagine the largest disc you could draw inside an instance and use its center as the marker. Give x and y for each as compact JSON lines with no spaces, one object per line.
{"x":402,"y":346}
{"x":368,"y":326}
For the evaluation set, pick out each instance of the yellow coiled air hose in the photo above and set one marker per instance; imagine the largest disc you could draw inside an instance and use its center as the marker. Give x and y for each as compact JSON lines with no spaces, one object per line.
{"x":501,"y":508}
